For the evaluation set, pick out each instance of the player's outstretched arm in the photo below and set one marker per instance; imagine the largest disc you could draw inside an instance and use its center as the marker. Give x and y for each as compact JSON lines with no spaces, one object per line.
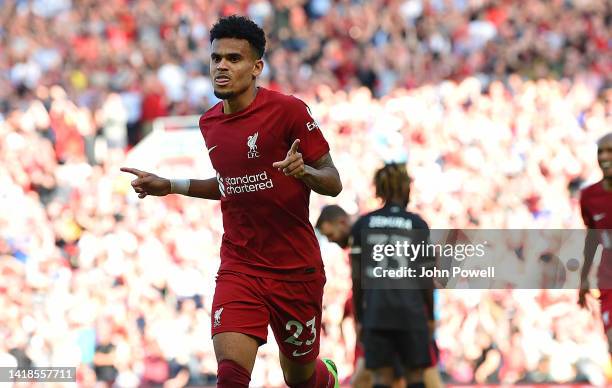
{"x":590,"y":247}
{"x":322,"y":177}
{"x":148,"y":183}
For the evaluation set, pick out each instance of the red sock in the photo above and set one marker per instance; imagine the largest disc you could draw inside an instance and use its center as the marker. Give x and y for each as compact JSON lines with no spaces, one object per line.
{"x":232,"y":375}
{"x":321,"y":378}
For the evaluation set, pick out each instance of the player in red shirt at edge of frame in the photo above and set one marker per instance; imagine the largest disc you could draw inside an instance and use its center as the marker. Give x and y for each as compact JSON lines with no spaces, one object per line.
{"x":268,"y":153}
{"x":596,"y":208}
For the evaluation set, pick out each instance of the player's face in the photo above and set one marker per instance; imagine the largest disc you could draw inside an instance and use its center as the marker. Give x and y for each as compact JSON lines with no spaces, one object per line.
{"x":233,"y":67}
{"x":337,"y":231}
{"x":604,"y":157}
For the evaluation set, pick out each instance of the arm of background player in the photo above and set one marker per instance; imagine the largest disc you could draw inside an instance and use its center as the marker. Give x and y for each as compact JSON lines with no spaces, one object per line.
{"x":356,"y":277}
{"x":590,"y":247}
{"x":323,"y":177}
{"x":427,"y":285}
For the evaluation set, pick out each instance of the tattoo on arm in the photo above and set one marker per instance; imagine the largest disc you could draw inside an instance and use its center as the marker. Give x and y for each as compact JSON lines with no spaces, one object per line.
{"x":324,"y":161}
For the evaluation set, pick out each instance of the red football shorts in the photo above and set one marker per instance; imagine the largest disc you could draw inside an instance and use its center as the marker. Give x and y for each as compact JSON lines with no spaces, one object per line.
{"x":605,"y":297}
{"x":248,"y":304}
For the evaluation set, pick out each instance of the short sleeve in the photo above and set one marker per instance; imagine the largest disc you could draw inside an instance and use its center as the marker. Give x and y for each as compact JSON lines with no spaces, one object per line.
{"x":304,"y":127}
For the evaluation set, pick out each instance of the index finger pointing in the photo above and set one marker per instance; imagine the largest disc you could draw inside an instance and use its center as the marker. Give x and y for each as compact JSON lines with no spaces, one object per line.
{"x":294,"y":146}
{"x":134,"y":171}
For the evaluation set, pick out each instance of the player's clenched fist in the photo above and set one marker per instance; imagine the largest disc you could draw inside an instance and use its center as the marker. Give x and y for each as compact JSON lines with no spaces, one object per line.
{"x":147,"y":183}
{"x":293,"y":165}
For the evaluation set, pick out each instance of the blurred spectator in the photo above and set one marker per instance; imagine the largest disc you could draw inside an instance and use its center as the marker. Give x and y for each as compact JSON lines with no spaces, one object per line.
{"x":104,"y":358}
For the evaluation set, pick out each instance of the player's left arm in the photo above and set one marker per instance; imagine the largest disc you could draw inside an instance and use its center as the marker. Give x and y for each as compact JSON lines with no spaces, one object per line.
{"x":322,"y":177}
{"x":308,"y":158}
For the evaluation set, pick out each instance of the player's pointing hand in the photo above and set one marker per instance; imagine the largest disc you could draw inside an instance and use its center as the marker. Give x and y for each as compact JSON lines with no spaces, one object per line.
{"x":293,"y":165}
{"x":147,"y":183}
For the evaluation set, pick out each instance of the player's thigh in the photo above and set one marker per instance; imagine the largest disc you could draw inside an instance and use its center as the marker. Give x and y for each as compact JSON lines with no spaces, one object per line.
{"x":383,"y":376}
{"x":239,"y":319}
{"x":380,"y":353}
{"x":295,"y":318}
{"x":238,"y":347}
{"x":415,"y":350}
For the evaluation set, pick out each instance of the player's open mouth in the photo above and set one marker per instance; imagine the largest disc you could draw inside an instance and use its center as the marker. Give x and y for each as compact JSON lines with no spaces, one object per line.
{"x":606,"y":164}
{"x":222,"y":80}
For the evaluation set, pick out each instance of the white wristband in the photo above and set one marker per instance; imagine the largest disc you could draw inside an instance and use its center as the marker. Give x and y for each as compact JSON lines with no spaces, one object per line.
{"x":179,"y":186}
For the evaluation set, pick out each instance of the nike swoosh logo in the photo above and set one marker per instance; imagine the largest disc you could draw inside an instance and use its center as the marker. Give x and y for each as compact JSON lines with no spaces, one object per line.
{"x":296,"y":354}
{"x":599,"y":217}
{"x":212,"y":148}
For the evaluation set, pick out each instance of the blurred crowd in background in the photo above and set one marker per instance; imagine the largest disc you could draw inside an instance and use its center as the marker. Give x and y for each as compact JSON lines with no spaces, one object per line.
{"x":154,"y":54}
{"x":494,"y":105}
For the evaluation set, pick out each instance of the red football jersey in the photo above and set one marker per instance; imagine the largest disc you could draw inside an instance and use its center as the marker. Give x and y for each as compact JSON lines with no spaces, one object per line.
{"x":267,"y":231}
{"x":596,"y":207}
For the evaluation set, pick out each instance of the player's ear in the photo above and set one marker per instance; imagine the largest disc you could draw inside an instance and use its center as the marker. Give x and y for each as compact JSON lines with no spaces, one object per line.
{"x":257,"y":68}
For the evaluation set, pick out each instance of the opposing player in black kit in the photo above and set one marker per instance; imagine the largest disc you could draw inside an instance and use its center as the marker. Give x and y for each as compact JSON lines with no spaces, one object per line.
{"x":394,"y":321}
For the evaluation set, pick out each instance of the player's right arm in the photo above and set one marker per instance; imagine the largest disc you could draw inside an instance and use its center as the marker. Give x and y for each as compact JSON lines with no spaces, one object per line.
{"x":590,"y":246}
{"x":148,"y":183}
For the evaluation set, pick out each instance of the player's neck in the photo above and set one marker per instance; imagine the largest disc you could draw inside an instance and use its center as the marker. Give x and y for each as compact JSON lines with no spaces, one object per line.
{"x":240,"y":102}
{"x":607,"y":184}
{"x":397,"y":202}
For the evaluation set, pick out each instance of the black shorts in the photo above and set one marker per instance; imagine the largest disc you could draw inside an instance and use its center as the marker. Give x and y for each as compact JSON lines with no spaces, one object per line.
{"x":411,"y":347}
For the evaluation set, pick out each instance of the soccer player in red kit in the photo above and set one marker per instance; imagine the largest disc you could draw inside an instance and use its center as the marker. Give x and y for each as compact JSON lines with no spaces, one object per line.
{"x":268,"y":154}
{"x":596,"y":207}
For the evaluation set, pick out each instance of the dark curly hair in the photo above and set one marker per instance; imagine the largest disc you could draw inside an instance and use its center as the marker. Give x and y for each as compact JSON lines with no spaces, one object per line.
{"x":240,"y":27}
{"x":389,"y":180}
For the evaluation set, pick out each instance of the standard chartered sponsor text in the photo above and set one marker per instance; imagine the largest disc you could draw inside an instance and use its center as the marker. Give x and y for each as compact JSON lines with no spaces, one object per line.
{"x":248,"y":183}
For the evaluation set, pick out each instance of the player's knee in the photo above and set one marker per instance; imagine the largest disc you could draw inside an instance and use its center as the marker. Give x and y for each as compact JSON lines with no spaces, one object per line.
{"x":383,"y":377}
{"x":296,"y":374}
{"x":414,"y":376}
{"x":231,"y":375}
{"x":415,"y":385}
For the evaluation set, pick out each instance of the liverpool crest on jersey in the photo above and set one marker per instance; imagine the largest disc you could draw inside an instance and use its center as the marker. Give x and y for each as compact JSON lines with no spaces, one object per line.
{"x":252,"y":143}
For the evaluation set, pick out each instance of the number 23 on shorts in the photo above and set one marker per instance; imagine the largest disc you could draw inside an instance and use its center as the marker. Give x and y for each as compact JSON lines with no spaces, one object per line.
{"x":295,"y":328}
